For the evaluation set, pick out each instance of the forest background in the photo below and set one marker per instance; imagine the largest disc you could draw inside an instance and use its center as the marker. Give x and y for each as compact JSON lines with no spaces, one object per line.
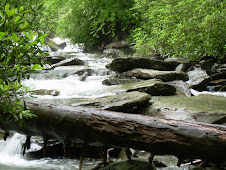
{"x":172,"y":28}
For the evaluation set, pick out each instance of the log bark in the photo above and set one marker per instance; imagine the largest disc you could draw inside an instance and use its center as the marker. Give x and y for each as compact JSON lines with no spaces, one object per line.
{"x":106,"y":128}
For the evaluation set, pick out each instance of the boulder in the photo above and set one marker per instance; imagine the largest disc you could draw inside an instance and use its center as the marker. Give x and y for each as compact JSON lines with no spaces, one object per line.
{"x":203,"y":108}
{"x":134,"y":164}
{"x":69,"y":62}
{"x":207,"y":65}
{"x":128,"y":63}
{"x":43,"y":92}
{"x":113,"y":53}
{"x":55,"y":59}
{"x":216,"y":85}
{"x":153,"y":87}
{"x":155,"y":74}
{"x":117,"y":81}
{"x":221,"y":75}
{"x":178,"y":61}
{"x":124,"y":102}
{"x":62,"y":45}
{"x":118,"y":44}
{"x":198,"y":79}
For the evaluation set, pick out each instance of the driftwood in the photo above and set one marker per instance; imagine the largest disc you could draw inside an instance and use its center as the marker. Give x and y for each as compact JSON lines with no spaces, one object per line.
{"x":106,"y":128}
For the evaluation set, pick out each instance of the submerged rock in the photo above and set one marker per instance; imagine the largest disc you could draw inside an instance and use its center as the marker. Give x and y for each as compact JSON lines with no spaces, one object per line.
{"x":43,"y":92}
{"x":118,"y":44}
{"x":124,"y":102}
{"x":117,"y":81}
{"x":152,"y":87}
{"x":69,"y":62}
{"x":155,"y":74}
{"x":134,"y":164}
{"x":124,"y":64}
{"x":203,"y":108}
{"x":198,"y":79}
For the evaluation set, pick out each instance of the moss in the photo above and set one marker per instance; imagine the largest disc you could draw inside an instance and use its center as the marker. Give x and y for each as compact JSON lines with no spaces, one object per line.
{"x":202,"y":103}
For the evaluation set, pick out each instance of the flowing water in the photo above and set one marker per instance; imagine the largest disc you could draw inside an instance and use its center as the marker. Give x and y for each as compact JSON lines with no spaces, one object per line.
{"x":70,"y":85}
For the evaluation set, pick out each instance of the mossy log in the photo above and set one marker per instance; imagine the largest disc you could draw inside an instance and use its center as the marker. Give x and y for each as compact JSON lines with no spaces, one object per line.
{"x":106,"y":128}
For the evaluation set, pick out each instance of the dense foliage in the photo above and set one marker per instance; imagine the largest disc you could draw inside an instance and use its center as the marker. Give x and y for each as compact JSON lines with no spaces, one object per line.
{"x":93,"y":22}
{"x":19,"y":56}
{"x":181,"y":28}
{"x":184,"y":28}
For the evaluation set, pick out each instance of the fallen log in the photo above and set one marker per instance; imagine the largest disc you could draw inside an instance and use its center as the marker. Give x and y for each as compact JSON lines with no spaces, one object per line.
{"x":106,"y":128}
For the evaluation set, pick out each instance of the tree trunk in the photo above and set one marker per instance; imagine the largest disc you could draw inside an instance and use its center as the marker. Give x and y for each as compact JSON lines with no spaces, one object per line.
{"x":106,"y":128}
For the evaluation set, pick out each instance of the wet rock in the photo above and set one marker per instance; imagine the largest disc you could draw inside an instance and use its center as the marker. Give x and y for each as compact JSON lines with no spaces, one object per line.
{"x":152,"y":87}
{"x":113,"y":53}
{"x":55,"y":59}
{"x":117,"y":81}
{"x":198,"y":79}
{"x":118,"y":44}
{"x":124,"y":64}
{"x":223,"y":88}
{"x":216,"y":85}
{"x":134,"y":164}
{"x":124,"y":102}
{"x":43,"y":92}
{"x":179,"y":61}
{"x":207,"y":65}
{"x":221,"y":75}
{"x":203,"y":108}
{"x":62,"y":45}
{"x":69,"y":62}
{"x":182,"y":88}
{"x":155,"y":74}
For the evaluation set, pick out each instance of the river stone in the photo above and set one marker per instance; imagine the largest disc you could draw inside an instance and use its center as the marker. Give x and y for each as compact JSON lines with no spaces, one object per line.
{"x":155,"y":74}
{"x":203,"y":108}
{"x":55,"y":59}
{"x":118,"y":44}
{"x":124,"y":102}
{"x":128,"y":63}
{"x":179,"y":61}
{"x":43,"y":92}
{"x":221,"y":75}
{"x":69,"y":62}
{"x":113,"y":53}
{"x":198,"y":79}
{"x":153,"y":87}
{"x":135,"y":164}
{"x":117,"y":81}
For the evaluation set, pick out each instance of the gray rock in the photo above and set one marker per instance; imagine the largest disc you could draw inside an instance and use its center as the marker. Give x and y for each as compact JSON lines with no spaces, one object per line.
{"x":207,"y":65}
{"x":118,"y":44}
{"x":155,"y":74}
{"x":124,"y":102}
{"x":117,"y":81}
{"x":203,"y":108}
{"x":124,"y":64}
{"x":152,"y":87}
{"x":55,"y":59}
{"x":113,"y":53}
{"x":130,"y":164}
{"x":62,"y":45}
{"x":69,"y":62}
{"x":198,"y":79}
{"x":221,"y":75}
{"x":43,"y":92}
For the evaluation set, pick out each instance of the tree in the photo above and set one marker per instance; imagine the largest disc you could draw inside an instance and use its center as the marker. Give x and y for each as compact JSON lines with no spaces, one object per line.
{"x":93,"y":22}
{"x":20,"y":54}
{"x":181,"y":28}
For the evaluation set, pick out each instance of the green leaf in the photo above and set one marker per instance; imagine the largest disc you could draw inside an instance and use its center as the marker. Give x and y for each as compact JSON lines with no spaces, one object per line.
{"x":36,"y":66}
{"x":17,"y":19}
{"x":7,"y":11}
{"x":15,"y":37}
{"x":2,"y":34}
{"x":21,"y":9}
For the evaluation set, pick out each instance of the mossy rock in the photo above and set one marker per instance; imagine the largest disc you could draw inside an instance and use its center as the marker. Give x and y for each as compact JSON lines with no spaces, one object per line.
{"x":130,"y":164}
{"x":203,"y":108}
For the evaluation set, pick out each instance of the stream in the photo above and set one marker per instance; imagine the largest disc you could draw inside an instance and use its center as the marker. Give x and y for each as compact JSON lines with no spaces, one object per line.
{"x":70,"y":86}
